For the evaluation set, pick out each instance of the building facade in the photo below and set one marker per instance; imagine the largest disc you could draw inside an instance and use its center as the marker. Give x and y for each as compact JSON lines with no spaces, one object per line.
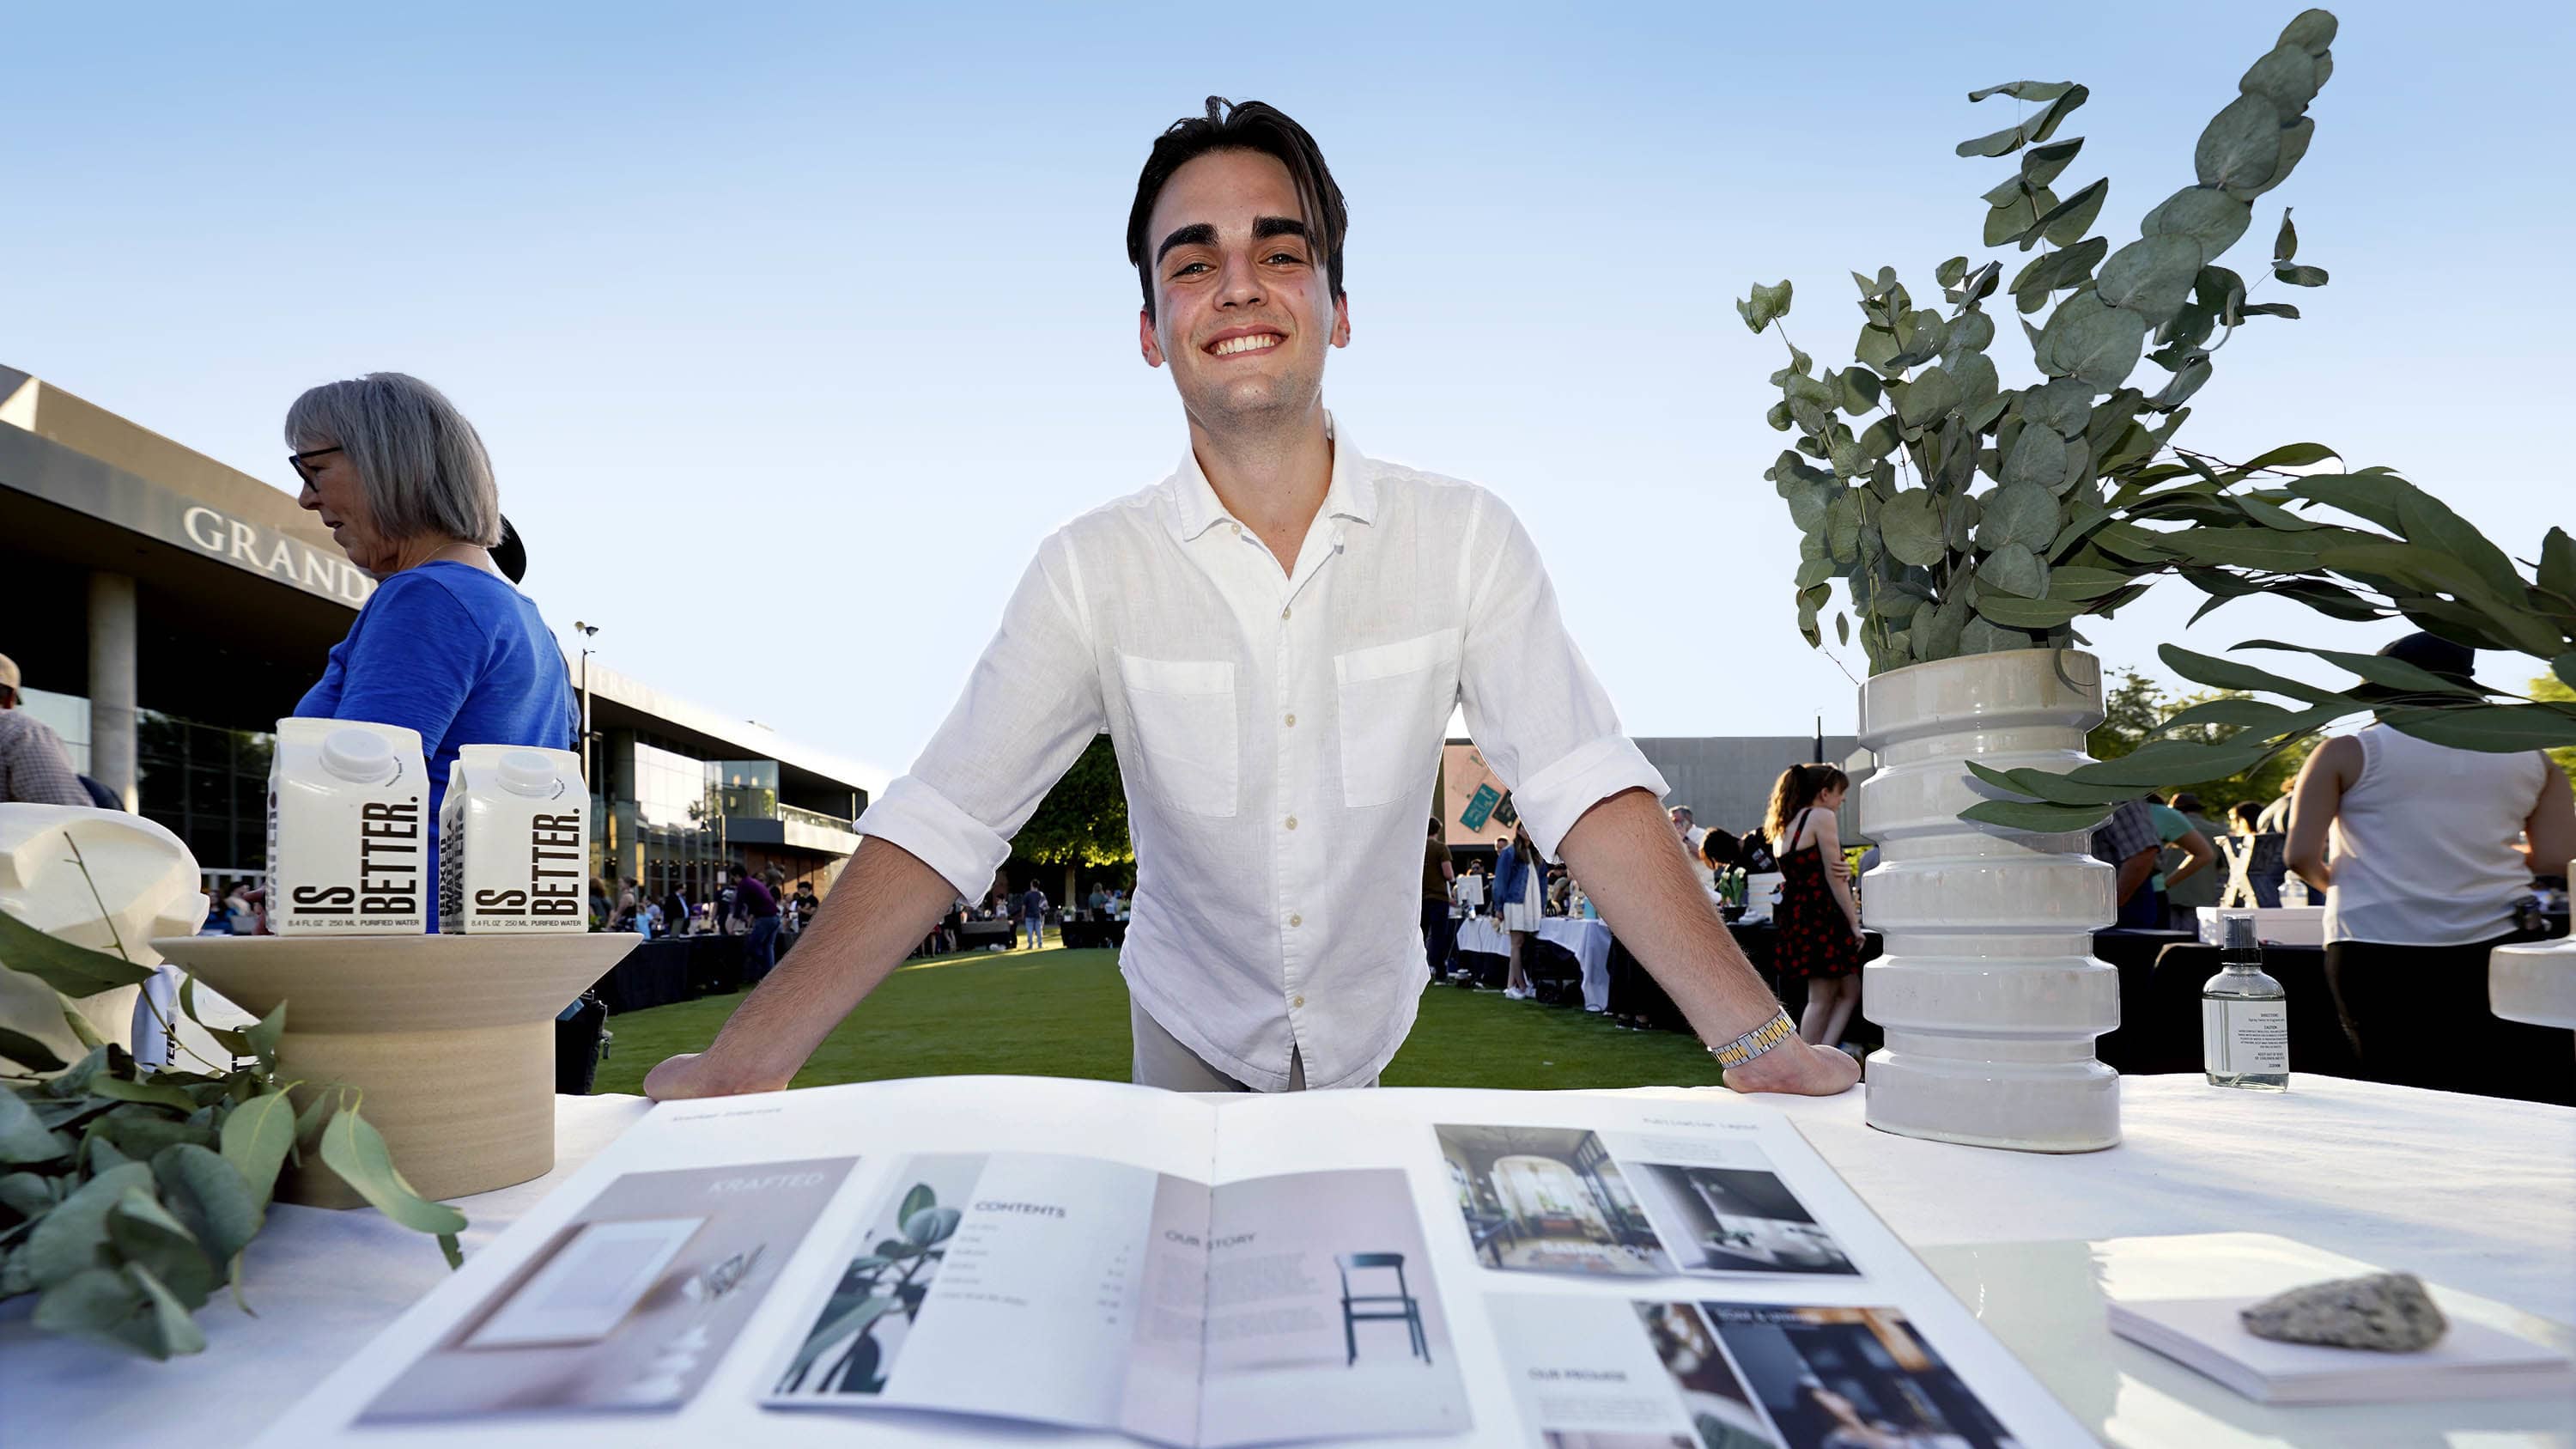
{"x":166,"y":610}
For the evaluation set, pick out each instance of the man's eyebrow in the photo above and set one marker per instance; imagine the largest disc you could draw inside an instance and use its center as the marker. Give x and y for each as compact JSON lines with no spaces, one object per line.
{"x":1196,"y":234}
{"x":1270,"y":226}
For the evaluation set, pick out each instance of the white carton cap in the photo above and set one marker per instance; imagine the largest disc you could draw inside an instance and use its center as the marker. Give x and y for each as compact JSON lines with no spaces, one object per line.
{"x":359,"y":756}
{"x":525,"y":772}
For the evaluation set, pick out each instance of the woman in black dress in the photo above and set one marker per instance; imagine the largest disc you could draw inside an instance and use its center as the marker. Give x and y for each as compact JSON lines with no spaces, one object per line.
{"x":1819,"y":924}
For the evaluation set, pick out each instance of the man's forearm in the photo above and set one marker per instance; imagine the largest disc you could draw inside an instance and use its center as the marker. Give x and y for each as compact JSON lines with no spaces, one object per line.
{"x":1624,"y":852}
{"x":882,"y":907}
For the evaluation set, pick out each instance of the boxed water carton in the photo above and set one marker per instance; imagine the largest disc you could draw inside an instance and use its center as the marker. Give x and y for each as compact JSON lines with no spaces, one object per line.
{"x":514,"y":842}
{"x":348,"y":830}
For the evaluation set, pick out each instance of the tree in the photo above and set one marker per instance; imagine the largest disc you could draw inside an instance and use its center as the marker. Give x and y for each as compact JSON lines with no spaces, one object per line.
{"x":1083,"y":820}
{"x":2130,"y":712}
{"x":2136,"y":710}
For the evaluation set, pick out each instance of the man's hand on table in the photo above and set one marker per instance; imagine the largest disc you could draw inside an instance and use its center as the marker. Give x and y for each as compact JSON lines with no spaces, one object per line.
{"x":1797,"y":1068}
{"x":699,"y":1074}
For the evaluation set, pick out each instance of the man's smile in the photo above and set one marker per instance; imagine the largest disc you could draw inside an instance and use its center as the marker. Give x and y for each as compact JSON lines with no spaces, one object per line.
{"x":1239,"y":341}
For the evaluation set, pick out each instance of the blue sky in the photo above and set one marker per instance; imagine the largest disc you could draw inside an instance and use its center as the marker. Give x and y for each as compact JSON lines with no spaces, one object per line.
{"x":793,"y":328}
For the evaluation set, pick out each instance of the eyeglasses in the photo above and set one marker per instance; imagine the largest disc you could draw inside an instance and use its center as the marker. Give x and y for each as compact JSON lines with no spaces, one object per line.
{"x":296,"y":461}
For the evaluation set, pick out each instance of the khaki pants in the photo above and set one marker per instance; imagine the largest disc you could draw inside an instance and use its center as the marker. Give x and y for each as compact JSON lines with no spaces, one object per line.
{"x":1161,"y":1061}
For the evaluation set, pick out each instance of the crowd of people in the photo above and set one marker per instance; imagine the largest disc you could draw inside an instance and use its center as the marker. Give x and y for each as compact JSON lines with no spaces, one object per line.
{"x":1815,"y":922}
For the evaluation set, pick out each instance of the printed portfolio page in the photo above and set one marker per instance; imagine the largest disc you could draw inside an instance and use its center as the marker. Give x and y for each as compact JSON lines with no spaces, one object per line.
{"x":942,"y":1261}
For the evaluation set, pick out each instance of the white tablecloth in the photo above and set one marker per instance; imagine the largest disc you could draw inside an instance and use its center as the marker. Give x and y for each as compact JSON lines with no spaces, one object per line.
{"x":1588,"y":940}
{"x":2472,"y":1192}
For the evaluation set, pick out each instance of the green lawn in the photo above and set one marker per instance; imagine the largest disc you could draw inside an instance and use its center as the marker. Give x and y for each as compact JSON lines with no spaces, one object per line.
{"x":1062,"y":1013}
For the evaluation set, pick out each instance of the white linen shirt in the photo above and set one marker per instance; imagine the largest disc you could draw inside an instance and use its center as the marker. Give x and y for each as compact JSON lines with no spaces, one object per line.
{"x":1279,"y":733}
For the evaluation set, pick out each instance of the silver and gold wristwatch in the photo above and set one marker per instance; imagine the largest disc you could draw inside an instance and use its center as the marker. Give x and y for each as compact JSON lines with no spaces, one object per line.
{"x":1755,"y":1042}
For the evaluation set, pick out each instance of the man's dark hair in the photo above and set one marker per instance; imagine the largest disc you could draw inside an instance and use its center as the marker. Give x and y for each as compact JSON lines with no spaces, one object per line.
{"x":1243,"y":126}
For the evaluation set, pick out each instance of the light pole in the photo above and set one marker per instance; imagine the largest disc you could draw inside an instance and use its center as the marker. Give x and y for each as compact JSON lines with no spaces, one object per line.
{"x":587,"y":633}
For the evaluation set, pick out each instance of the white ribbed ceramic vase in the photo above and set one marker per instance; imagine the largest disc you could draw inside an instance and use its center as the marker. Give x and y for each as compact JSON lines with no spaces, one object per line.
{"x":1989,"y":993}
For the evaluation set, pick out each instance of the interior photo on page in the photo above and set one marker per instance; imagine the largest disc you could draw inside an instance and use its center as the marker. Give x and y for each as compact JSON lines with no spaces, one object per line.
{"x":1584,"y":1377}
{"x":1836,"y":1378}
{"x":1549,"y":1200}
{"x":629,"y":1305}
{"x":1737,"y":1218}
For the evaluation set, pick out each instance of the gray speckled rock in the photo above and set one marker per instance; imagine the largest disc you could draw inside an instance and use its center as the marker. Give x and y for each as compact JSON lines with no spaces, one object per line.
{"x":2386,"y":1311}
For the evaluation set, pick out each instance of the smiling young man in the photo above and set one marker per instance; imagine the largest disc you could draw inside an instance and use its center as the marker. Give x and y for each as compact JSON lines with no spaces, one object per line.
{"x":1273,"y":637}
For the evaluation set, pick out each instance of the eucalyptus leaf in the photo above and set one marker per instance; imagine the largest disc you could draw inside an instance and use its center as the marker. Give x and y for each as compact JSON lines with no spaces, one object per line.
{"x":256,"y":1137}
{"x":1911,"y":528}
{"x":74,"y":1235}
{"x":2037,"y":459}
{"x":72,"y":970}
{"x":2150,"y":276}
{"x":145,"y":1235}
{"x":2254,"y":547}
{"x":207,"y":1193}
{"x":2494,"y":729}
{"x":2047,"y":788}
{"x":2027,"y":613}
{"x":1983,"y":636}
{"x":101,"y":1303}
{"x":352,"y":1148}
{"x":2557,"y":573}
{"x":2241,"y":146}
{"x":2298,"y":276}
{"x":2040,"y":165}
{"x":2294,"y":145}
{"x":2230,"y":674}
{"x":2091,"y":341}
{"x":24,"y":1137}
{"x":1859,"y":390}
{"x":28,"y":1052}
{"x":1993,"y":143}
{"x":1766,"y":306}
{"x":2037,"y":819}
{"x":2160,"y":764}
{"x":2205,"y":214}
{"x":2287,"y":77}
{"x":2377,"y":669}
{"x":2023,"y":90}
{"x":2065,"y":223}
{"x":172,"y":1331}
{"x":2310,"y":30}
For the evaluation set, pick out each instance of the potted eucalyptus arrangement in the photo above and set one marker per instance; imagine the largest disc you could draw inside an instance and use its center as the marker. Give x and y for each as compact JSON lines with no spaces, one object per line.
{"x":1970,"y":526}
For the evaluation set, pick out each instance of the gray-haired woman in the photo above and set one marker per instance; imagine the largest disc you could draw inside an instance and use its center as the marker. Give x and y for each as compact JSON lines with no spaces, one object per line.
{"x":445,"y":645}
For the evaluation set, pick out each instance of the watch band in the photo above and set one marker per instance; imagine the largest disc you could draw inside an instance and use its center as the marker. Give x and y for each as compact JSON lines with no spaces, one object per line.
{"x":1755,"y":1042}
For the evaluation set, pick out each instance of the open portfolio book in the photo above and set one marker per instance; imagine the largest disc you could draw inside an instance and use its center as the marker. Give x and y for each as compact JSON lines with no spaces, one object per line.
{"x":1018,"y":1260}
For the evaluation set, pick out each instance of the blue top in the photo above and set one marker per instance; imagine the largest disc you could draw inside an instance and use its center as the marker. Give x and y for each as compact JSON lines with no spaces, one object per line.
{"x":456,"y":653}
{"x":1511,"y":876}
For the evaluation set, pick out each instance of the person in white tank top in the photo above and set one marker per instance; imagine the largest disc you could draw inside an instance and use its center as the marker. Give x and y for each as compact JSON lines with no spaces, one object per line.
{"x":2422,"y":851}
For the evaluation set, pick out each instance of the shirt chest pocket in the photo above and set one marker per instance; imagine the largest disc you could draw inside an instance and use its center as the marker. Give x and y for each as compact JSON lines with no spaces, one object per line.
{"x":1185,"y":729}
{"x":1395,"y":703}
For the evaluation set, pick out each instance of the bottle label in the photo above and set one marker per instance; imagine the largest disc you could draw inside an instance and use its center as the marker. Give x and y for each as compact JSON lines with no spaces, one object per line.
{"x":2245,"y":1038}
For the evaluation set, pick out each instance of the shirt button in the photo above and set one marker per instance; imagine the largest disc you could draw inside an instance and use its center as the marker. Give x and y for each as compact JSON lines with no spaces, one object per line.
{"x":1283,"y":613}
{"x":1292,"y":721}
{"x":1296,"y":920}
{"x":1238,"y":529}
{"x":1292,"y":822}
{"x":1296,"y":1001}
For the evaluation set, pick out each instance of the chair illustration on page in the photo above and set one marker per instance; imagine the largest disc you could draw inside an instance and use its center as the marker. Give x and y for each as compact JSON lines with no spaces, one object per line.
{"x":1399,"y":1306}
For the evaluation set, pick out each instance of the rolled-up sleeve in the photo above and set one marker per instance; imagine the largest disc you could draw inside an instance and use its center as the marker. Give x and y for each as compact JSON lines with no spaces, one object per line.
{"x":1533,"y":706}
{"x":1028,"y":710}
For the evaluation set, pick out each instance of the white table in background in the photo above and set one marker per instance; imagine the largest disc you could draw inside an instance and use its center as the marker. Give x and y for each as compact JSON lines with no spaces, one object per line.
{"x":2469,"y":1192}
{"x":1587,"y":940}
